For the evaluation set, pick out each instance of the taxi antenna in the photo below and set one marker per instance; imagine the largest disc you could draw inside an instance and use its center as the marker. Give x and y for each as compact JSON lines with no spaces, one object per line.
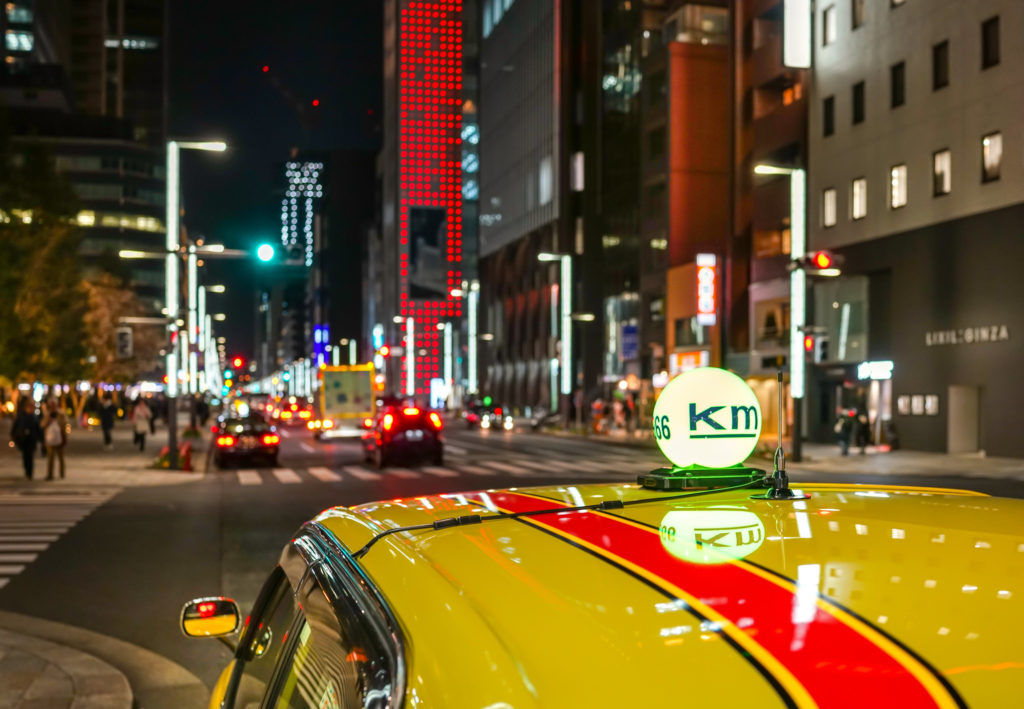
{"x":779,"y":480}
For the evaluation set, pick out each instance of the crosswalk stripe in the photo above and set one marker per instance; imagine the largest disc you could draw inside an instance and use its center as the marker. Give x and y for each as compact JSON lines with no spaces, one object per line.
{"x":287,"y":476}
{"x":17,"y":558}
{"x":360,"y":473}
{"x":440,"y":472}
{"x":249,"y":477}
{"x":11,"y":570}
{"x":325,"y":474}
{"x":455,"y":450}
{"x":403,"y":473}
{"x":3,"y":582}
{"x":30,"y":537}
{"x":24,"y":546}
{"x":475,"y":470}
{"x":504,"y":467}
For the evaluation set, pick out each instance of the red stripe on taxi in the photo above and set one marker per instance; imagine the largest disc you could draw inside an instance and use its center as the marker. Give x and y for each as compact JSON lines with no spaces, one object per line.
{"x":834,"y":662}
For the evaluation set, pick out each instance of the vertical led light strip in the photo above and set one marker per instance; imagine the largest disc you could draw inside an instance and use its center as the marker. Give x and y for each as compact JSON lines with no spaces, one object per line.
{"x":171,"y":267}
{"x":566,"y":293}
{"x":430,"y":161}
{"x":797,"y":281}
{"x":449,"y":365}
{"x":410,"y":357}
{"x":471,"y":370}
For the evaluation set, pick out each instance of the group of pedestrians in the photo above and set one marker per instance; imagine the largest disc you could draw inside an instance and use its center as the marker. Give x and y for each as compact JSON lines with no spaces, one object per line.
{"x":29,"y":432}
{"x":49,"y":431}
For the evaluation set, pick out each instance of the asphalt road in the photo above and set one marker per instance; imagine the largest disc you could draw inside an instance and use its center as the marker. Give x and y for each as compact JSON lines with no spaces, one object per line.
{"x":126,"y":568}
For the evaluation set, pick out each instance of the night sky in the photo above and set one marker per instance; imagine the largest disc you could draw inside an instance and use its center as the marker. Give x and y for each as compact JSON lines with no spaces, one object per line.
{"x":325,"y":50}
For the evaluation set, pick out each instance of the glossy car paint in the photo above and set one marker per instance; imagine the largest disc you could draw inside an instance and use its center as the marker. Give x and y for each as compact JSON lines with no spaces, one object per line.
{"x":877,"y":595}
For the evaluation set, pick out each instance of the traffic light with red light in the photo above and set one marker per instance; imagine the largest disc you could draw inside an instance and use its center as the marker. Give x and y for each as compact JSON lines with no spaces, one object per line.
{"x":819,"y":263}
{"x":237,"y":362}
{"x":808,"y":343}
{"x":822,"y":259}
{"x":384,"y":351}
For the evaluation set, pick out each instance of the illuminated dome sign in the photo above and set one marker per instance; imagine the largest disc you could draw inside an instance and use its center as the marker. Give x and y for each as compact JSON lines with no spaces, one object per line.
{"x":707,"y":417}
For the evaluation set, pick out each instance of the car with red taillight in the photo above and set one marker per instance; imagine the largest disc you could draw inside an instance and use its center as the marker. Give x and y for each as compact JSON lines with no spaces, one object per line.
{"x":293,"y":411}
{"x":250,"y":440}
{"x":403,"y":433}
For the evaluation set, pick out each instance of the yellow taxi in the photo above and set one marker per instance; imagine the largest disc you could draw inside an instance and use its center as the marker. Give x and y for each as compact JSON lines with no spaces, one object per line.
{"x":695,"y":586}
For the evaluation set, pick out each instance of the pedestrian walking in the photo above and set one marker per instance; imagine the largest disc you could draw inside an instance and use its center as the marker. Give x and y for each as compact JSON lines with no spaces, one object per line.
{"x":55,"y":436}
{"x":141,"y":419}
{"x":26,"y":434}
{"x":844,"y":429}
{"x":107,"y":415}
{"x":861,"y":428}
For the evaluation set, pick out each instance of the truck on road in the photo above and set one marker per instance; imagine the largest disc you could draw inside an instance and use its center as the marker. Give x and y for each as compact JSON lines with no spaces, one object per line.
{"x":345,"y":399}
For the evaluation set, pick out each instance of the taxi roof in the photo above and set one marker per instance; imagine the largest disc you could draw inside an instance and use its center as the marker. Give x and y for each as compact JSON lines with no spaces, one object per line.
{"x":775,"y":602}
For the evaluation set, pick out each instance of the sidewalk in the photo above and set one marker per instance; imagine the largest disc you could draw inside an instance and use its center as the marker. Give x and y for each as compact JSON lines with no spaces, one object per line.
{"x":38,"y":674}
{"x":88,"y":464}
{"x":825,"y":458}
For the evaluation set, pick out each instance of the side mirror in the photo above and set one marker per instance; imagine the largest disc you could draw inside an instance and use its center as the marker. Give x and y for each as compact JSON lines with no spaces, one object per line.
{"x":210,"y":617}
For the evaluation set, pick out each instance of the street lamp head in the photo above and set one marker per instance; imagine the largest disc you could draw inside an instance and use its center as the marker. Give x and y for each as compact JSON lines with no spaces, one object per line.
{"x":545,"y":256}
{"x":131,"y":253}
{"x":583,"y":317}
{"x":220,"y":317}
{"x":216,"y":146}
{"x":455,"y":292}
{"x":216,"y":289}
{"x":764,"y":169}
{"x":398,"y":320}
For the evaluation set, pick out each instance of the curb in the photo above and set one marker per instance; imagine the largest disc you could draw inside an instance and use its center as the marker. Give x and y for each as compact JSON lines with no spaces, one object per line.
{"x":66,"y":675}
{"x":152,"y":681}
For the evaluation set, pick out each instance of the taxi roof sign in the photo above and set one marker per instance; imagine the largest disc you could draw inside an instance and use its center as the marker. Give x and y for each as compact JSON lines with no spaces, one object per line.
{"x":707,"y":417}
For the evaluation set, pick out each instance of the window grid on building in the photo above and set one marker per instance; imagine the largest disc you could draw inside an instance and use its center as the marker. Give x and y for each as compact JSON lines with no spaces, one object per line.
{"x":990,"y":42}
{"x":828,"y":207}
{"x":898,"y":84}
{"x":897,"y":186}
{"x":828,"y":25}
{"x":940,"y":65}
{"x":858,"y":102}
{"x":942,"y":172}
{"x":857,"y":7}
{"x":828,"y":115}
{"x":859,"y":198}
{"x":991,"y":156}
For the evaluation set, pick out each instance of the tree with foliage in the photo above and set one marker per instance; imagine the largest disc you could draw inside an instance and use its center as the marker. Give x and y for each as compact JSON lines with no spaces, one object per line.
{"x":108,"y":301}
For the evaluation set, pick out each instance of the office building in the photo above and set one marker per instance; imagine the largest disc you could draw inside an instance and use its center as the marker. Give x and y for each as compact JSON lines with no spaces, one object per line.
{"x":916,"y":179}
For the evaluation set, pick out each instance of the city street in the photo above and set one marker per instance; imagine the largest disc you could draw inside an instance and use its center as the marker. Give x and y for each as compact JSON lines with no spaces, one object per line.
{"x":116,"y":550}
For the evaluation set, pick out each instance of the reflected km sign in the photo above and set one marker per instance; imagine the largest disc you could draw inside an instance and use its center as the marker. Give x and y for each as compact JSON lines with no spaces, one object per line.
{"x":713,"y":428}
{"x":726,"y":537}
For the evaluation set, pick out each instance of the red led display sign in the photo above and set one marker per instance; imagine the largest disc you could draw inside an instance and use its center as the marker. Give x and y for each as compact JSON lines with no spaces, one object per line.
{"x":430,"y":175}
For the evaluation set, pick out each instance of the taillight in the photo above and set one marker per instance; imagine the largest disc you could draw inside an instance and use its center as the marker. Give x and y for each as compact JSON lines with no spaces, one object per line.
{"x":435,"y":419}
{"x":271,"y":439}
{"x":225,"y":441}
{"x":304,"y":414}
{"x":206,"y":609}
{"x":411,"y":411}
{"x":497,"y":411}
{"x":367,"y":422}
{"x":286,"y":414}
{"x":389,"y":421}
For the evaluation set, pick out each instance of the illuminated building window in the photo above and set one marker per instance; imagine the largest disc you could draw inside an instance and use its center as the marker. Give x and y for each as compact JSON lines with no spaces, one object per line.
{"x":828,"y":207}
{"x":942,"y":172}
{"x":828,"y":25}
{"x":659,"y":244}
{"x":859,"y":198}
{"x":18,"y":14}
{"x":86,"y":218}
{"x":897,"y":186}
{"x":19,"y":41}
{"x":545,"y":180}
{"x":991,"y":156}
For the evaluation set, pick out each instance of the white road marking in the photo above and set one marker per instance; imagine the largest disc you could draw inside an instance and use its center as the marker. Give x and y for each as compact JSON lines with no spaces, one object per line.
{"x":11,"y":570}
{"x":440,"y":472}
{"x":25,"y":546}
{"x":361,"y":473}
{"x":455,"y":450}
{"x":249,"y":477}
{"x":287,"y":476}
{"x":306,"y":447}
{"x":475,"y":470}
{"x":17,"y":558}
{"x":3,"y":582}
{"x":403,"y":473}
{"x":325,"y":474}
{"x":31,"y":537}
{"x":504,"y":467}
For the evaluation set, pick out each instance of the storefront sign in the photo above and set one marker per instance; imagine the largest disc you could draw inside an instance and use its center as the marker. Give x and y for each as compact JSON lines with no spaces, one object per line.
{"x":875,"y":370}
{"x":630,"y":342}
{"x":967,"y":335}
{"x":679,"y":362}
{"x":706,"y":284}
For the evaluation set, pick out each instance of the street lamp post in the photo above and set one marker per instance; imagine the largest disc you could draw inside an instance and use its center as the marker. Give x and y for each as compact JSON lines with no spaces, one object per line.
{"x":797,"y":293}
{"x":565,"y":296}
{"x":173,"y":244}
